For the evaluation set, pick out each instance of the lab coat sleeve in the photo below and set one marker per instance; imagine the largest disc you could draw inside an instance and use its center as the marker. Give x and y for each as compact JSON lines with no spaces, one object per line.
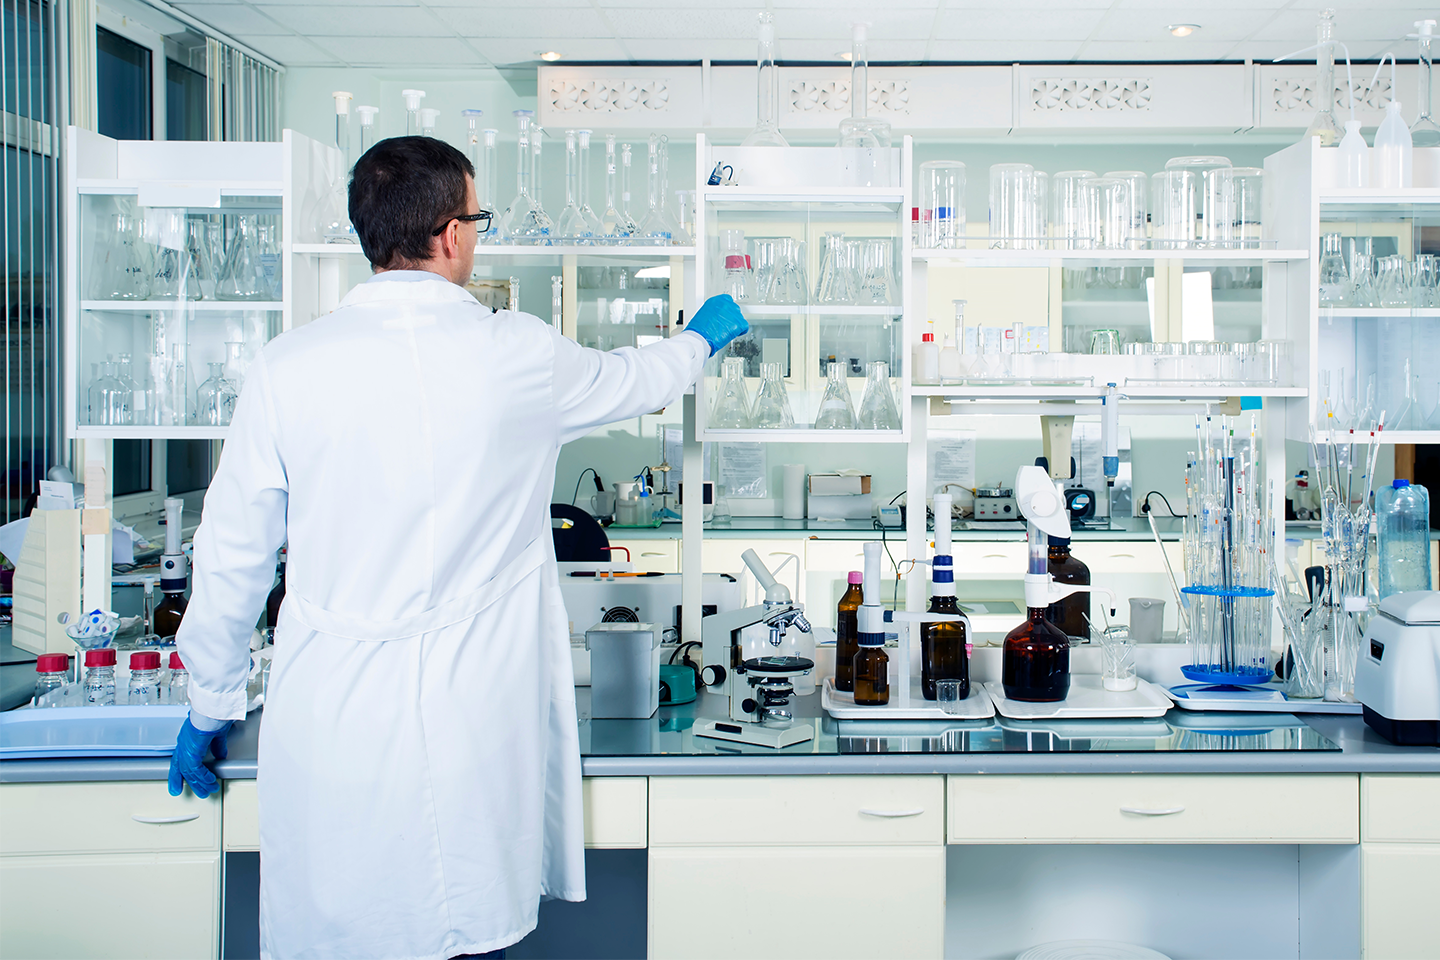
{"x":596,"y":387}
{"x":242,"y":527}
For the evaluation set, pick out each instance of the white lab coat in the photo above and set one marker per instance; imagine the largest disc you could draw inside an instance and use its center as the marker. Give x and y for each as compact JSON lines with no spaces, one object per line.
{"x":419,"y":771}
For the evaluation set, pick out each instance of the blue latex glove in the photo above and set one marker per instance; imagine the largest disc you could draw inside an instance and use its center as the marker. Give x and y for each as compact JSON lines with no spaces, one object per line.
{"x":187,"y":762}
{"x":719,"y":321}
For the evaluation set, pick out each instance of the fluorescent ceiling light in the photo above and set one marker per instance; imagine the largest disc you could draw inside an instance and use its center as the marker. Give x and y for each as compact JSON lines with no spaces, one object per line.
{"x":549,"y":56}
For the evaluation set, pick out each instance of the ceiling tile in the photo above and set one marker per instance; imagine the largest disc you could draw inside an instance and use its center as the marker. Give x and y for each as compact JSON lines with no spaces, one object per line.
{"x":371,"y":22}
{"x":876,"y":15}
{"x":1002,"y":51}
{"x":828,"y":51}
{"x":290,"y":51}
{"x":1187,"y":11}
{"x":684,"y":24}
{"x":1145,"y":52}
{"x":662,"y":51}
{"x":832,"y":23}
{"x":485,"y":21}
{"x":266,"y":4}
{"x":399,"y":51}
{"x":524,"y":49}
{"x":236,"y":19}
{"x":1017,"y":25}
{"x":1350,"y":25}
{"x":1216,"y":26}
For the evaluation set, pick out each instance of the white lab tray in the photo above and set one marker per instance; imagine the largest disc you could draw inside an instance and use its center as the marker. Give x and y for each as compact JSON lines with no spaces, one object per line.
{"x":120,"y":731}
{"x":1088,"y":699}
{"x":1261,"y":698}
{"x":841,"y":706}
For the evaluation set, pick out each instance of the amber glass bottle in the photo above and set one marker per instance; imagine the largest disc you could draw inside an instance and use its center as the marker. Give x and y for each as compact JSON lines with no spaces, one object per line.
{"x":1072,"y":614}
{"x":168,"y":613}
{"x":872,"y":685}
{"x":942,"y":650}
{"x":1035,"y":665}
{"x":847,"y":642}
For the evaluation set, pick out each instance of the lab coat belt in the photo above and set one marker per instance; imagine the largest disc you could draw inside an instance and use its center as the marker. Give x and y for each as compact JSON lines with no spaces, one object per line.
{"x":448,"y":614}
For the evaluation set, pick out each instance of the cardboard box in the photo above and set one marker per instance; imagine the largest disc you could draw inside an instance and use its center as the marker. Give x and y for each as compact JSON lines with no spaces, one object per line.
{"x":838,"y":485}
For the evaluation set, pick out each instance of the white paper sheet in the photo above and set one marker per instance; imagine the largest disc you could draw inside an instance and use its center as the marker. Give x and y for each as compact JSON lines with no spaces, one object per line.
{"x":951,"y":458}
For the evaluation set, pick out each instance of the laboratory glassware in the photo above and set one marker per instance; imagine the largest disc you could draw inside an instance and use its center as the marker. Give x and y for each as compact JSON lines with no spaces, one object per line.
{"x":1199,"y":167}
{"x":412,"y":111}
{"x":271,"y":262}
{"x":144,"y":678}
{"x":847,"y":642}
{"x":772,"y":404}
{"x":1425,"y":132}
{"x":490,"y":186}
{"x":877,"y":285}
{"x":336,"y":227}
{"x":367,"y":127}
{"x":1233,"y":206}
{"x":243,"y":277}
{"x":1039,"y":229}
{"x":1012,"y":205}
{"x":835,"y":411}
{"x":472,"y":142}
{"x":1105,"y":342}
{"x":174,"y":275}
{"x":571,"y":226}
{"x":659,"y":226}
{"x":134,"y":395}
{"x":592,"y":220}
{"x":1071,"y":220}
{"x":1071,"y":614}
{"x":1108,"y":202}
{"x":767,"y":90}
{"x":1137,"y":197}
{"x":50,"y":670}
{"x":627,"y":155}
{"x":735,"y":276}
{"x":837,"y":281}
{"x":1172,"y":209}
{"x":177,"y":690}
{"x":732,"y":401}
{"x":1035,"y":661}
{"x":557,"y":301}
{"x":944,"y":660}
{"x":1117,"y":659}
{"x":942,"y":204}
{"x":428,"y":116}
{"x":788,"y":287}
{"x":1391,"y":163}
{"x":1402,"y":513}
{"x":108,"y":395}
{"x":214,"y":402}
{"x":1335,"y":286}
{"x":864,"y":140}
{"x":877,"y":404}
{"x":203,"y":250}
{"x":525,"y":221}
{"x":613,"y":227}
{"x":762,"y":262}
{"x":871,"y":670}
{"x":119,"y":268}
{"x":1323,"y":125}
{"x":100,"y":677}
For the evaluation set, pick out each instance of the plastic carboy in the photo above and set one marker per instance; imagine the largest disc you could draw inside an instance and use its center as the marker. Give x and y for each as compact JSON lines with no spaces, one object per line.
{"x":1403,"y":519}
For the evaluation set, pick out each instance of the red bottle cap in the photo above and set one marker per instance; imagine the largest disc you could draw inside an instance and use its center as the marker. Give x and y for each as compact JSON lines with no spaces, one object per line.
{"x":175,"y":662}
{"x":145,"y":660}
{"x":927,"y":338}
{"x":734,"y":262}
{"x":914,"y":214}
{"x":100,"y":658}
{"x":52,"y":663}
{"x":856,"y":577}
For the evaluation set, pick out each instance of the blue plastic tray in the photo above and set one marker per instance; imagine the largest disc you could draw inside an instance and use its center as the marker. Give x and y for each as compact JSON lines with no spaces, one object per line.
{"x":120,"y":731}
{"x":1244,"y":677}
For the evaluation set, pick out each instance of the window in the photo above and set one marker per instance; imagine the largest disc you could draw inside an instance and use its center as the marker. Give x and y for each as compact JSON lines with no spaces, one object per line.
{"x":132,"y":467}
{"x":184,"y":102}
{"x":124,"y":99}
{"x":187,"y":466}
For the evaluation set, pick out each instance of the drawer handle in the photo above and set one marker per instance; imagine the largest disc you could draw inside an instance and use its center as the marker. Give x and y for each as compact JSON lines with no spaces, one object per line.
{"x":891,"y":814}
{"x":1129,"y":556}
{"x":1152,"y":811}
{"x":182,"y":818}
{"x":994,"y":556}
{"x":652,"y":553}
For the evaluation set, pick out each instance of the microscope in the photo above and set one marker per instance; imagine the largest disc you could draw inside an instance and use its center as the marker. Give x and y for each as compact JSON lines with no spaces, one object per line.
{"x":758,"y":688}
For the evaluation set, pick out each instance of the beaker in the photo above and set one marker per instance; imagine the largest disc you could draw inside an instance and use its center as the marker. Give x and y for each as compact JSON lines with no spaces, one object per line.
{"x":877,"y":286}
{"x":1172,"y":209}
{"x":877,"y":404}
{"x":767,"y":90}
{"x":119,"y":265}
{"x":243,"y":276}
{"x":1232,"y":206}
{"x":1105,"y":342}
{"x":1117,"y":659}
{"x":732,"y":402}
{"x":1012,"y":203}
{"x":1108,"y":200}
{"x":1138,"y":198}
{"x":942,"y":204}
{"x":215,"y":399}
{"x":837,"y":281}
{"x":1199,"y":167}
{"x":1071,"y":219}
{"x":835,"y":411}
{"x":772,"y":404}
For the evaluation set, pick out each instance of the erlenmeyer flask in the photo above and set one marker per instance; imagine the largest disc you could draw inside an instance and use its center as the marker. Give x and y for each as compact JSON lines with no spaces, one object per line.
{"x":877,"y":406}
{"x":1334,"y":284}
{"x":271,"y":260}
{"x":1362,"y":280}
{"x":877,"y":283}
{"x":836,"y":284}
{"x":762,"y":261}
{"x":836,"y":411}
{"x":732,"y":403}
{"x":168,"y":279}
{"x":788,"y":285}
{"x":772,"y":404}
{"x":243,"y":277}
{"x":215,"y":399}
{"x":119,"y":269}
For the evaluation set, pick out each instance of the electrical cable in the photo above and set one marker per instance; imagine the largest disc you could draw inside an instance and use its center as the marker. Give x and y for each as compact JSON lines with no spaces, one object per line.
{"x":1145,"y":504}
{"x":576,"y":495}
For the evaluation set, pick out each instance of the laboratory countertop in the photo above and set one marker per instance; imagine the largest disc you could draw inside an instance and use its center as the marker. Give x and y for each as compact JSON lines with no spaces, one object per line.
{"x":1124,"y":528}
{"x":665,"y":745}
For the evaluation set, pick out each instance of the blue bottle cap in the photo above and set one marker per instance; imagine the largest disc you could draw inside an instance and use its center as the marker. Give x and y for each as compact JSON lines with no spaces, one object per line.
{"x":1400,"y":483}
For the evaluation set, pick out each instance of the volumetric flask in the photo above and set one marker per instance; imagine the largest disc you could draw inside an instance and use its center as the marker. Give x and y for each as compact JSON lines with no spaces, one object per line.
{"x":1172,"y":209}
{"x":788,"y":285}
{"x":838,"y":273}
{"x":942,"y":204}
{"x":836,"y":411}
{"x":243,"y":277}
{"x":877,"y":405}
{"x":732,"y":403}
{"x":1071,"y":219}
{"x":772,"y":404}
{"x":1198,"y":166}
{"x":1012,"y":205}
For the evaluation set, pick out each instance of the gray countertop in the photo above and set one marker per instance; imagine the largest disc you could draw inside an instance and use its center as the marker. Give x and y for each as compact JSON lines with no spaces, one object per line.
{"x":1120,"y":528}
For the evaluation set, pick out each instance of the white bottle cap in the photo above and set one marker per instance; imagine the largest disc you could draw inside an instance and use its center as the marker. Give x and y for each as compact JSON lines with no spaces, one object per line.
{"x":367,"y":115}
{"x":428,"y":116}
{"x":412,"y":98}
{"x":490,"y":136}
{"x":859,"y":31}
{"x":342,"y":102}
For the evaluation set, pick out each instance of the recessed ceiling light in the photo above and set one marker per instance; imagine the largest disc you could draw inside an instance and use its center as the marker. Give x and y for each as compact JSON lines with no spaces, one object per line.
{"x":1182,"y":29}
{"x":549,"y":56}
{"x":844,"y":54}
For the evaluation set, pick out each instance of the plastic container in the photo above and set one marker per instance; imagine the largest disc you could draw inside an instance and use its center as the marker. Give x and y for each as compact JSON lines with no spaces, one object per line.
{"x":100,"y":678}
{"x":144,"y":678}
{"x":1354,"y":157}
{"x":951,"y":368}
{"x":927,"y":360}
{"x":50,"y":670}
{"x":1394,"y":151}
{"x":178,"y":690}
{"x":1402,"y":514}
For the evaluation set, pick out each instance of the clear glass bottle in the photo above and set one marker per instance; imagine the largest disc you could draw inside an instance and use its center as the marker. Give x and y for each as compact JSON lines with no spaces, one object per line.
{"x":1425,"y":132}
{"x":871,"y":670}
{"x":243,"y":276}
{"x":336,"y":227}
{"x":654,"y":229}
{"x":100,"y":678}
{"x":109,"y":400}
{"x":865,"y":140}
{"x":772,"y":404}
{"x":51,"y":672}
{"x":215,"y":399}
{"x":144,"y":678}
{"x":836,"y":411}
{"x":1035,"y":664}
{"x":593,"y":226}
{"x":847,"y":637}
{"x":732,"y":401}
{"x":1334,"y":281}
{"x":119,"y":269}
{"x":525,"y":221}
{"x":1323,"y":125}
{"x":169,"y":613}
{"x":178,"y":689}
{"x":1071,"y":614}
{"x":570,"y":226}
{"x":767,"y":90}
{"x":877,"y":404}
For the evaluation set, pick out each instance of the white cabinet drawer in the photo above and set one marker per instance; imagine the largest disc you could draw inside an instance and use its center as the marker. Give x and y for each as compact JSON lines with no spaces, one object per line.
{"x":996,"y":560}
{"x":1400,"y":807}
{"x":615,"y":810}
{"x":1126,"y":556}
{"x":241,"y":831}
{"x":105,"y":818}
{"x":729,"y":811}
{"x":649,"y":556}
{"x":1154,"y":809}
{"x":841,"y":555}
{"x":1399,"y":884}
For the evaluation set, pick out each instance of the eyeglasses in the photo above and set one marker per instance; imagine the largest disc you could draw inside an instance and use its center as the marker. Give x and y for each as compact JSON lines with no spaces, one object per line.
{"x":474,"y":218}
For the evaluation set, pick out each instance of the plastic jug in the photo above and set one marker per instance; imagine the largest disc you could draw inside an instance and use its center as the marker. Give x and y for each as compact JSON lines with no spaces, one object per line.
{"x":1403,"y":520}
{"x":1391,"y":165}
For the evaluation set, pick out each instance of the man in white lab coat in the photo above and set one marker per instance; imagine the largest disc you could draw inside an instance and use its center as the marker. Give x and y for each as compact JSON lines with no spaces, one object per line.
{"x":419,"y":771}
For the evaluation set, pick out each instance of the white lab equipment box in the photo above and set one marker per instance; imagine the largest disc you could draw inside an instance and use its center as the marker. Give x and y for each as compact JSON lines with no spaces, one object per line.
{"x":624,"y":670}
{"x":47,"y":582}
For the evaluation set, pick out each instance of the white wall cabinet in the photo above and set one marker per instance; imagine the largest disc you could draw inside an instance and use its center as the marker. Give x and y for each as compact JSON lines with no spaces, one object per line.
{"x":1400,"y":866}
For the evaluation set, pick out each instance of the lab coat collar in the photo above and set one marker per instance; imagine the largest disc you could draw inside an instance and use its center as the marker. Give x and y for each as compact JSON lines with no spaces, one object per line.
{"x":438,"y":290}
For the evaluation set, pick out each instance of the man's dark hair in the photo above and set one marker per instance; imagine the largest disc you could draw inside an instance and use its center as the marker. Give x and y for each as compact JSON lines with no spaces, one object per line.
{"x":400,"y":191}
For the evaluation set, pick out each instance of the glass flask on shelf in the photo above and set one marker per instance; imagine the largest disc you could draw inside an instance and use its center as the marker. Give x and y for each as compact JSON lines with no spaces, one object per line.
{"x":877,"y":284}
{"x":171,"y":277}
{"x":788,"y":286}
{"x":204,"y":250}
{"x":627,"y":210}
{"x":573,"y":226}
{"x":1425,"y":132}
{"x":235,"y":364}
{"x":109,"y":400}
{"x":268,"y":235}
{"x":735,"y":278}
{"x":525,"y":221}
{"x":942,"y":649}
{"x":1323,"y":125}
{"x":490,"y":183}
{"x":658,"y":226}
{"x":412,"y":111}
{"x":877,"y":404}
{"x":1071,"y":614}
{"x":428,"y":116}
{"x":215,"y":399}
{"x":836,"y":284}
{"x":592,"y":219}
{"x":243,"y":276}
{"x":119,"y":269}
{"x":136,"y":396}
{"x":767,"y":90}
{"x":835,"y":411}
{"x":864,"y":140}
{"x":336,"y":227}
{"x":732,"y":402}
{"x":367,"y":127}
{"x":1334,"y":282}
{"x":613,"y":226}
{"x":772,"y":404}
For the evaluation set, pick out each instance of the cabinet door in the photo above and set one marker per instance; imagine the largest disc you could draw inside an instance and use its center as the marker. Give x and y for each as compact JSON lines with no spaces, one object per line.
{"x":1400,"y":885}
{"x":797,"y":902}
{"x":649,"y":556}
{"x":69,"y":907}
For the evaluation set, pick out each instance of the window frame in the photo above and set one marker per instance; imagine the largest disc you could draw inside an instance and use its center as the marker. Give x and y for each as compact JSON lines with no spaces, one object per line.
{"x":140,"y":34}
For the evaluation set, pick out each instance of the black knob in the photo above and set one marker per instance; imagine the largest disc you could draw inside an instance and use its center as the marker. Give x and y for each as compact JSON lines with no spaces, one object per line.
{"x":1007,"y":508}
{"x":749,"y":706}
{"x":712,"y":674}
